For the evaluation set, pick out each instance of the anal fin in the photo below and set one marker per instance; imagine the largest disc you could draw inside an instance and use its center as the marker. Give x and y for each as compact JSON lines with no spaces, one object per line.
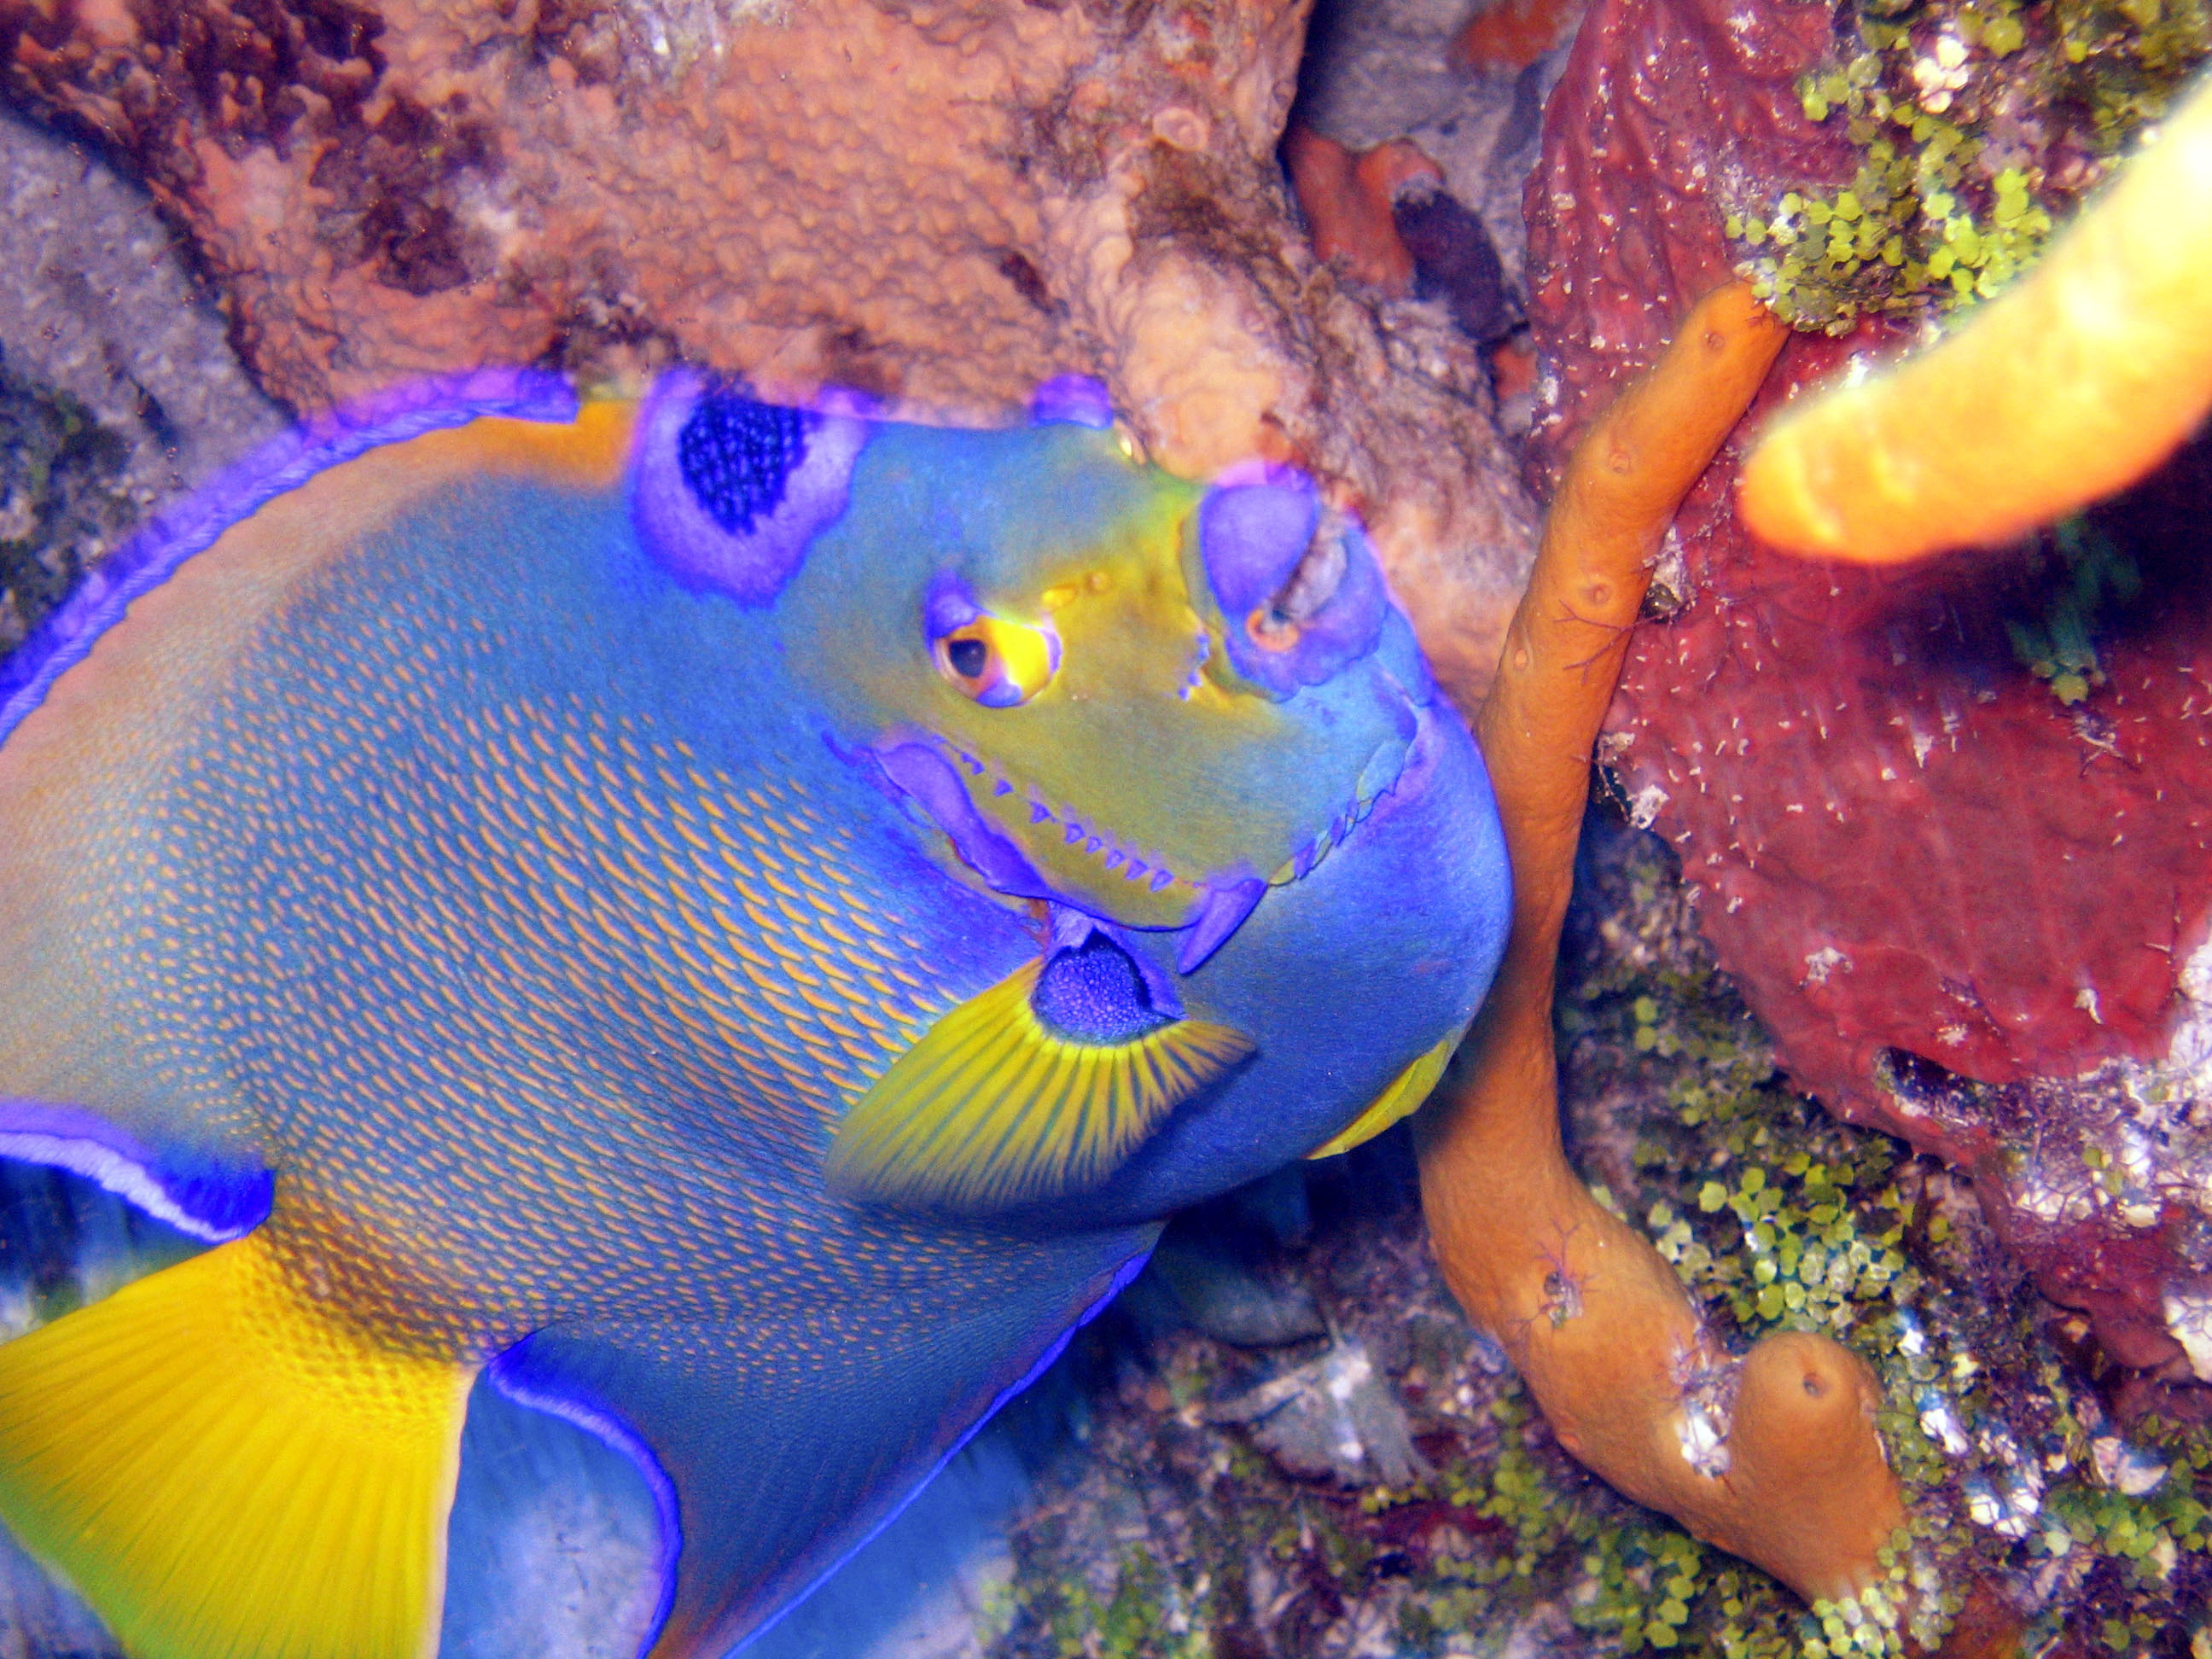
{"x":1401,"y":1098}
{"x":227,"y":1472}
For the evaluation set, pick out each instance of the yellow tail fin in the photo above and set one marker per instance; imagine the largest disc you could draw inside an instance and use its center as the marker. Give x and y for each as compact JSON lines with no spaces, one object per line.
{"x":225,"y":1472}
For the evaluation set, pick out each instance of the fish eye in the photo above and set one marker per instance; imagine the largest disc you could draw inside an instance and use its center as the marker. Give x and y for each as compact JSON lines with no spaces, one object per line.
{"x":1000,"y":664}
{"x":1274,"y":629}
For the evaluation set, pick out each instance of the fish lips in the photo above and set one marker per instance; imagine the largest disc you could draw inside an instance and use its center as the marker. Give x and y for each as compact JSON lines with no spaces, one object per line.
{"x":930,"y":775}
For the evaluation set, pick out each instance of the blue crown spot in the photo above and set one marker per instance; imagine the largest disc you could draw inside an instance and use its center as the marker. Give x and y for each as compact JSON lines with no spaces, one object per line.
{"x":736,"y":456}
{"x":1092,"y":992}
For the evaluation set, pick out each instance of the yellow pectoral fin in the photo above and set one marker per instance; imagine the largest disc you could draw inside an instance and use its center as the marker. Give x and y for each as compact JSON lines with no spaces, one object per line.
{"x":992,"y":1109}
{"x":225,"y":1472}
{"x":1401,"y":1099}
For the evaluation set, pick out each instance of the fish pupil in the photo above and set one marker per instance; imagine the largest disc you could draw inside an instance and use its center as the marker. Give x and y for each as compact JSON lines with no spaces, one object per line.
{"x":736,"y":456}
{"x":967,"y":658}
{"x":1092,"y":992}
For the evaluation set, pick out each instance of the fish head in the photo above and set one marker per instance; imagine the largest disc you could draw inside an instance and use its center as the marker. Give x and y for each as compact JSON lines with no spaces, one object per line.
{"x":1160,"y":708}
{"x":1109,"y":688}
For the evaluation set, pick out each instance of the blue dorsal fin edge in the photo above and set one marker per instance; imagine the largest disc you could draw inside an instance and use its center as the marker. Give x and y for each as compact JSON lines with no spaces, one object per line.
{"x":213,"y":1203}
{"x":193,"y":525}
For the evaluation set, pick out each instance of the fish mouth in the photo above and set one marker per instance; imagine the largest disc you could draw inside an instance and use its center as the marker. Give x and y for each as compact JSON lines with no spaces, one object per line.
{"x":1021,"y":844}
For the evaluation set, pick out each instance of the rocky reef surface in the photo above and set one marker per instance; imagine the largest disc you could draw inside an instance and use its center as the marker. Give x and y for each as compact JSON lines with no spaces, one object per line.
{"x":941,"y":204}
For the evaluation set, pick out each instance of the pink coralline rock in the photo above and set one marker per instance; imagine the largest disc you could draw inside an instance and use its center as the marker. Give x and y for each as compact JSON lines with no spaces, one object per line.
{"x":939,"y":203}
{"x":1904,"y":844}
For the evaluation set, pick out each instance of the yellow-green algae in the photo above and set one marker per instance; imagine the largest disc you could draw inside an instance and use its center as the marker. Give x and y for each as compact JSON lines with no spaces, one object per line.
{"x":2085,"y":577}
{"x":1978,"y":125}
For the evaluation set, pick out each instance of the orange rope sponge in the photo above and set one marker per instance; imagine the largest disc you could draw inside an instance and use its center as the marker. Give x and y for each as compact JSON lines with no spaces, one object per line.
{"x":2074,"y":383}
{"x":1775,"y":1456}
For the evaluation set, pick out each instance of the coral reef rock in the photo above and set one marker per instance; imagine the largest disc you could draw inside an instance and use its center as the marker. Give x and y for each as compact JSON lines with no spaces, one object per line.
{"x":118,"y":389}
{"x":1951,"y":818}
{"x":940,"y":203}
{"x":1391,"y":72}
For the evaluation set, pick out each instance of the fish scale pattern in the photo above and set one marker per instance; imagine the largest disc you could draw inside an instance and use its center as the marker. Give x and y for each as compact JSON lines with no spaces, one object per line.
{"x":560,"y":964}
{"x":542,"y":924}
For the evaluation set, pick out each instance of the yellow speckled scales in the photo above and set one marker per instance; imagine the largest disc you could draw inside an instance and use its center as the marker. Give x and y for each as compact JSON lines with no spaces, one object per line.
{"x":993,"y":1108}
{"x":226,"y":1471}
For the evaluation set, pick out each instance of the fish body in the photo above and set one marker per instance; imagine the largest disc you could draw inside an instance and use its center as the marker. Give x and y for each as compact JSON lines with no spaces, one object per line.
{"x":728,"y":926}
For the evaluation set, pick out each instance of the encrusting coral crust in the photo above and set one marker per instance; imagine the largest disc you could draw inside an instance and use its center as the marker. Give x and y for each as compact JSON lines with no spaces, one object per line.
{"x":939,"y":203}
{"x":1790,"y":1473}
{"x":1347,"y":199}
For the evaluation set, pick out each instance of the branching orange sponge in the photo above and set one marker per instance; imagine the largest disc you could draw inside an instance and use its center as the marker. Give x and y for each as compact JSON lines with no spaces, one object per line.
{"x":2074,"y":384}
{"x":1773,"y":1456}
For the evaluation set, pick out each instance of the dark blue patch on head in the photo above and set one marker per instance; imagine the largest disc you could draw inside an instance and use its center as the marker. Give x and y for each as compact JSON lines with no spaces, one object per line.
{"x":727,"y":493}
{"x":1092,"y":992}
{"x":737,"y":457}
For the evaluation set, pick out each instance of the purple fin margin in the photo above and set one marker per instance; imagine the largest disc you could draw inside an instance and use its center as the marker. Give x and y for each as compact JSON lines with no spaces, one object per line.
{"x":213,"y":1204}
{"x":505,"y":1375}
{"x":191,"y":526}
{"x":1127,"y":1271}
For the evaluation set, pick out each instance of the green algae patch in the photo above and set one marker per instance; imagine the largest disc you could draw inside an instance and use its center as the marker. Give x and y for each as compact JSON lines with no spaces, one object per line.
{"x":1978,"y":128}
{"x":2086,"y":577}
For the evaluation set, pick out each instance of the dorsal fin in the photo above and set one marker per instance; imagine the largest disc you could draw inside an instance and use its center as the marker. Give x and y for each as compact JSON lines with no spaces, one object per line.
{"x":189,"y":527}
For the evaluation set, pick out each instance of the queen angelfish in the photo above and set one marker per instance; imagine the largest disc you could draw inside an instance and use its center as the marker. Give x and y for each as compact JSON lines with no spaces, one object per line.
{"x":726,"y":926}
